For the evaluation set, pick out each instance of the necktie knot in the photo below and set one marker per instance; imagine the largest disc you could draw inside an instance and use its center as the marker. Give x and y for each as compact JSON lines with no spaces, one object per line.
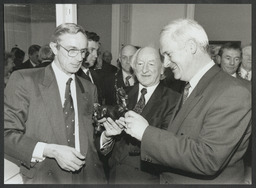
{"x":143,"y":91}
{"x":186,"y":92}
{"x":69,"y":81}
{"x":88,"y":73}
{"x":127,"y":78}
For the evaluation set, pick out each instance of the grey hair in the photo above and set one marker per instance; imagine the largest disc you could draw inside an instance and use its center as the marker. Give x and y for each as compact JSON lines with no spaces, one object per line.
{"x":182,"y":30}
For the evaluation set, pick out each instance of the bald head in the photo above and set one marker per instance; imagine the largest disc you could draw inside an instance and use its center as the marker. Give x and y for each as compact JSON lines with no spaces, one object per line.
{"x":147,"y":66}
{"x":125,"y":57}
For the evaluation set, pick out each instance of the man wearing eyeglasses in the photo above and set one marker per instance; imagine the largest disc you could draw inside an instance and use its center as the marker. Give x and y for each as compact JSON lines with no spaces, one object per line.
{"x":48,"y":116}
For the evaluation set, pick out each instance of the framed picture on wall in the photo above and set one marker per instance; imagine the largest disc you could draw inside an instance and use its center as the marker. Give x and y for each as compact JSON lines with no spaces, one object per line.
{"x":214,"y":47}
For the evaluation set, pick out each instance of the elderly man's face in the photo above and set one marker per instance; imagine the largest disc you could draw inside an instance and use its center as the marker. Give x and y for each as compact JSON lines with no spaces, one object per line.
{"x":247,"y":58}
{"x":126,"y":56}
{"x":177,"y":58}
{"x":77,"y":42}
{"x":148,"y":67}
{"x":230,"y":60}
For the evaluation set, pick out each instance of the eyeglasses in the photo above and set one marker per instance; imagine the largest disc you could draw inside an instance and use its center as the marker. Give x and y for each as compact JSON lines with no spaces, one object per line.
{"x":74,"y":52}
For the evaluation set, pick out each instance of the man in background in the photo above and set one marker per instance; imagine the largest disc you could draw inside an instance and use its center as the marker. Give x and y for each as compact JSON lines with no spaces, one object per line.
{"x":33,"y":60}
{"x":230,"y":55}
{"x":86,"y":71}
{"x":123,"y":78}
{"x":245,"y":70}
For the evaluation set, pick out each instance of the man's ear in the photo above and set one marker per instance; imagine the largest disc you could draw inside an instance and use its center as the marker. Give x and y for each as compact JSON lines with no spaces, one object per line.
{"x":53,"y":46}
{"x":218,"y":59}
{"x":191,"y":46}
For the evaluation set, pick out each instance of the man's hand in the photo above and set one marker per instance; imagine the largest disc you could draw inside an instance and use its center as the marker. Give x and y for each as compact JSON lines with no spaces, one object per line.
{"x":135,"y":124}
{"x":111,"y":127}
{"x":67,"y":157}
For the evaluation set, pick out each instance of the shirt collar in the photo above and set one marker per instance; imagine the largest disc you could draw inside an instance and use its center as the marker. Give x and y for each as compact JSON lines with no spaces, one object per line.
{"x":196,"y":78}
{"x":60,"y":75}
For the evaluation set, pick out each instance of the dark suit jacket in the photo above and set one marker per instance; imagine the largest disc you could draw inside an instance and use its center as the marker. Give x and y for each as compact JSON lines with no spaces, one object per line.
{"x":33,"y":113}
{"x":128,"y":168}
{"x":206,"y":141}
{"x":25,"y":65}
{"x":96,"y":79}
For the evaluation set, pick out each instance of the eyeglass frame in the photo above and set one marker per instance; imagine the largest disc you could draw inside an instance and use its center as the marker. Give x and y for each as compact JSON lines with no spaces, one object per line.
{"x":81,"y":51}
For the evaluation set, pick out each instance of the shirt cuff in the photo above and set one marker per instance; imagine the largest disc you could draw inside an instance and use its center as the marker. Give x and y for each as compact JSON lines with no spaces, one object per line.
{"x":37,"y":155}
{"x":104,"y":140}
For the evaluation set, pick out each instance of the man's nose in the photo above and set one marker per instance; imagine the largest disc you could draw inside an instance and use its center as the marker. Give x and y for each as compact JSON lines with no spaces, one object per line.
{"x":145,"y":68}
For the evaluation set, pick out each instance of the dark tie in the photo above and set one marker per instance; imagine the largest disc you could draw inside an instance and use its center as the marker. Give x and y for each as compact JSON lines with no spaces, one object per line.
{"x":134,"y":145}
{"x":183,"y":99}
{"x":127,"y":83}
{"x":141,"y":103}
{"x":69,"y":115}
{"x":247,"y":76}
{"x":185,"y":93}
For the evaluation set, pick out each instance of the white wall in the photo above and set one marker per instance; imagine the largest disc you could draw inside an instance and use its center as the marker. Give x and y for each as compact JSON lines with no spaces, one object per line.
{"x":147,"y":20}
{"x":226,"y":21}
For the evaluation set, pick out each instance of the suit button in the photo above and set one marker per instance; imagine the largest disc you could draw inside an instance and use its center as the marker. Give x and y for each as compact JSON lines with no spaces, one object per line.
{"x":181,"y":134}
{"x":49,"y":173}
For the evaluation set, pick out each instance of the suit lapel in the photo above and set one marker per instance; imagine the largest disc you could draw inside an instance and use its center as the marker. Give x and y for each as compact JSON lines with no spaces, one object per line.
{"x":193,"y":99}
{"x":132,"y":97}
{"x":51,"y":97}
{"x":153,"y":101}
{"x":82,"y":100}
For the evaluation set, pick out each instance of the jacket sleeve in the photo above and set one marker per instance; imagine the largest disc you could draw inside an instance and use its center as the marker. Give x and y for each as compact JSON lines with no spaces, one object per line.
{"x":16,"y":104}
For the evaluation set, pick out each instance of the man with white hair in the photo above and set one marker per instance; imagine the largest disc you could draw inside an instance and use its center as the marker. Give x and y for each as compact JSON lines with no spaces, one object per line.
{"x":155,"y":103}
{"x":245,"y":70}
{"x":209,"y":133}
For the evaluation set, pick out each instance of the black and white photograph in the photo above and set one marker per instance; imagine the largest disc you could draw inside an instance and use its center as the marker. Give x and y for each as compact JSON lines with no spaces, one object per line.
{"x":139,"y":93}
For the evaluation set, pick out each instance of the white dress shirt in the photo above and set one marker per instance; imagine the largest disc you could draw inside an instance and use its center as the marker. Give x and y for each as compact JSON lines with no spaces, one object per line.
{"x":196,"y":78}
{"x":61,"y":78}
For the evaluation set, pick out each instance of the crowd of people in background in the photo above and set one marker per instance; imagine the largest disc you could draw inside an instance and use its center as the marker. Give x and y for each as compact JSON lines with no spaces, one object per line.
{"x":124,"y":147}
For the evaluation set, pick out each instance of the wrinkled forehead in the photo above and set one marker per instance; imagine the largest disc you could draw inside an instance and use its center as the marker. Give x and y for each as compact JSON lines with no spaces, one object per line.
{"x":149,"y":54}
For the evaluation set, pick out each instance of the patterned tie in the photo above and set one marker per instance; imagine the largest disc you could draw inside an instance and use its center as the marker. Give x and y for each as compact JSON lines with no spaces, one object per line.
{"x":127,"y":83}
{"x":69,"y":115}
{"x":185,"y":93}
{"x":141,"y":103}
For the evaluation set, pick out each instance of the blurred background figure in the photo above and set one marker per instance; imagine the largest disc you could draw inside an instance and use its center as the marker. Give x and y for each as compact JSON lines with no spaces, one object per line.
{"x":33,"y":60}
{"x":8,"y":66}
{"x":46,"y":56}
{"x":19,"y":56}
{"x":87,"y":69}
{"x":245,"y":70}
{"x":230,"y":55}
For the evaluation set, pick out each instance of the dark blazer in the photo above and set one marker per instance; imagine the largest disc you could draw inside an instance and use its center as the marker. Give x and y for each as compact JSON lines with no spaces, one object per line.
{"x":25,"y":65}
{"x":206,"y":141}
{"x":33,"y":113}
{"x":96,"y":80}
{"x":125,"y":164}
